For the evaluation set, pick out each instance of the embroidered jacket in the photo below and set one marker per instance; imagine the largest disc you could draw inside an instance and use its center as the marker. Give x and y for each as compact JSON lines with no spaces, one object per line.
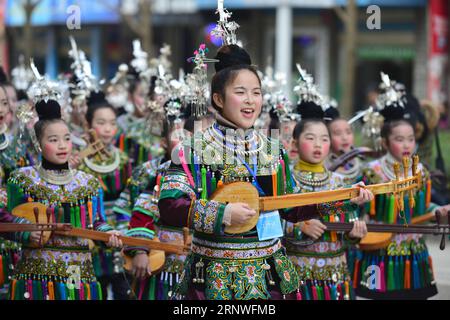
{"x":42,"y":273}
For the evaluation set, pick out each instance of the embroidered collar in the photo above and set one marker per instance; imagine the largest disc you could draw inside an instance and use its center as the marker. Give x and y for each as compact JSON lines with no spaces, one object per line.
{"x":310,"y":167}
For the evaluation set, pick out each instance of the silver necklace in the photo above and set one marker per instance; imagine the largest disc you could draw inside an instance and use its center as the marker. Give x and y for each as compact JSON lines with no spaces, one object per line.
{"x":307,"y":179}
{"x":220,"y":143}
{"x":100,"y":168}
{"x":237,"y":140}
{"x":56,"y":177}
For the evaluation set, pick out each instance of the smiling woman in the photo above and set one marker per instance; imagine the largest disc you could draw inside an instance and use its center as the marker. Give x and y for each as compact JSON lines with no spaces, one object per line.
{"x":221,"y":265}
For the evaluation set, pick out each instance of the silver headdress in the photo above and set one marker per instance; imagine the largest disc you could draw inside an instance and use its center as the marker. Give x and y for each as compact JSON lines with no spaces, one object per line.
{"x":42,"y":89}
{"x":117,"y":90}
{"x":371,"y":129}
{"x":85,"y":80}
{"x":21,"y":75}
{"x":226,"y":30}
{"x":275,"y":98}
{"x":306,"y":90}
{"x":140,"y":60}
{"x":392,"y":93}
{"x":199,"y":93}
{"x":161,"y":63}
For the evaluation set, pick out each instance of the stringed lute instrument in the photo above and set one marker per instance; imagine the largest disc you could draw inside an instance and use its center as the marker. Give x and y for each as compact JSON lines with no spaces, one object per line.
{"x":245,"y":192}
{"x":35,"y":212}
{"x":95,"y":146}
{"x":348,"y":156}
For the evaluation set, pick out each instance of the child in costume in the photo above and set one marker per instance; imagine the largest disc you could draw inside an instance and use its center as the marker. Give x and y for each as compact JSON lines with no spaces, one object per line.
{"x":60,"y":269}
{"x":402,"y":269}
{"x":112,"y":169}
{"x":319,"y":255}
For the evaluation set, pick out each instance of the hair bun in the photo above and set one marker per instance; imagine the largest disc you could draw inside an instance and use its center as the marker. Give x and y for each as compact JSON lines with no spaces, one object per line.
{"x":310,"y":110}
{"x":231,"y":55}
{"x":96,"y":98}
{"x":331,"y":113}
{"x":48,"y":110}
{"x":394,"y":112}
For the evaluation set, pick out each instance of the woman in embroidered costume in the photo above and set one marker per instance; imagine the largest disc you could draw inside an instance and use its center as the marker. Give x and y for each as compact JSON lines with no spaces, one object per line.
{"x":43,"y":272}
{"x":225,"y":266}
{"x":404,"y":267}
{"x":112,"y":169}
{"x":319,"y":256}
{"x":13,"y":155}
{"x":145,"y":185}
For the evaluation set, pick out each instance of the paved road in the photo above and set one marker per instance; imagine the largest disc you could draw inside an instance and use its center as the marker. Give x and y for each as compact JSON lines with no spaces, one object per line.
{"x":441,"y":264}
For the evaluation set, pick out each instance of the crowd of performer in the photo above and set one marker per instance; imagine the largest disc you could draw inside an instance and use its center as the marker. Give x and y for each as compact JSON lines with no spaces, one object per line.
{"x":146,"y":155}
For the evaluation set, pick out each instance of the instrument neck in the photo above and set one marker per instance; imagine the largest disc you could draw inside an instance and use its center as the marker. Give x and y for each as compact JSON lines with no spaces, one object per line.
{"x":392,"y":228}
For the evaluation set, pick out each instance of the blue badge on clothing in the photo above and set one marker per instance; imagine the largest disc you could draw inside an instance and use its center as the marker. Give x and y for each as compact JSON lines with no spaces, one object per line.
{"x":269,"y":225}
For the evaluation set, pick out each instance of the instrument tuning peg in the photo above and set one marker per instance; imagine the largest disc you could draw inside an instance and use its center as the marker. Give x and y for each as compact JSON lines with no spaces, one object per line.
{"x":48,"y":212}
{"x":36,"y":214}
{"x":438,"y":222}
{"x":437,"y":214}
{"x":397,"y":170}
{"x":442,"y":244}
{"x":405,"y":167}
{"x":415,"y":164}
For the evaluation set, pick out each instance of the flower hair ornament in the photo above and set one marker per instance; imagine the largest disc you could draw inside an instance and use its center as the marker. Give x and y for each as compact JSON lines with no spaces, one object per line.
{"x":226,"y":30}
{"x":196,"y":81}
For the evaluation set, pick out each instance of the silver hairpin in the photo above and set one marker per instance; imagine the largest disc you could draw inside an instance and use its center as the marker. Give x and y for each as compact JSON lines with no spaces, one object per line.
{"x":197,"y":82}
{"x":41,"y":87}
{"x":306,"y":90}
{"x":85,"y":80}
{"x":392,"y":93}
{"x":226,"y":30}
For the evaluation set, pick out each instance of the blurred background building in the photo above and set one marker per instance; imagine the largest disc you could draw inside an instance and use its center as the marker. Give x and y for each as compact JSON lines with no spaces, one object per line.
{"x":329,"y":38}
